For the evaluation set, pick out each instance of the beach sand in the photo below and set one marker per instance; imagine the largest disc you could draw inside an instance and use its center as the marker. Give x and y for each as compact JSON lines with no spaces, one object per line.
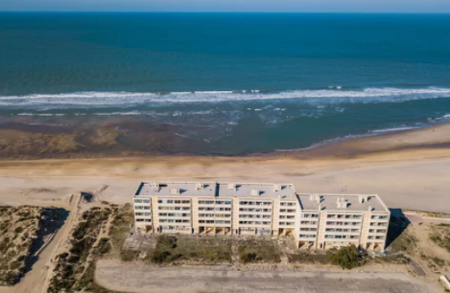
{"x":409,"y":170}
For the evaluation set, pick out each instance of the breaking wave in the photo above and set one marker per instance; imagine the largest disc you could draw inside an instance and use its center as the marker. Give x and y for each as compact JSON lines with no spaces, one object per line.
{"x":322,"y":96}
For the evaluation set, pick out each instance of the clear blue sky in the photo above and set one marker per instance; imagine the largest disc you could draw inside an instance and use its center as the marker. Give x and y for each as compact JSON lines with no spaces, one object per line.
{"x":396,"y":6}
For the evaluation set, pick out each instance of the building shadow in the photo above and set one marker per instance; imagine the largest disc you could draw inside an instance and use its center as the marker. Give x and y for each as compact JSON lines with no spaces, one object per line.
{"x":397,"y":225}
{"x":87,"y":196}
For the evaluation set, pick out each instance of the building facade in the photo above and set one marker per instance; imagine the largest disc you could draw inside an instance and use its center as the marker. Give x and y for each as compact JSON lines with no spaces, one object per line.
{"x":316,"y":221}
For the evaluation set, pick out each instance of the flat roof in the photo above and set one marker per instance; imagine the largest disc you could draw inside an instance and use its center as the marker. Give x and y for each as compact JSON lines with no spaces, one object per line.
{"x":352,"y":202}
{"x":265,"y":190}
{"x":247,"y":190}
{"x":185,"y":189}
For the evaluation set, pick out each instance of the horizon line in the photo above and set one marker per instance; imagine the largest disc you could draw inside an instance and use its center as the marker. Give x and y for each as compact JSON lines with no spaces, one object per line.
{"x":216,"y":12}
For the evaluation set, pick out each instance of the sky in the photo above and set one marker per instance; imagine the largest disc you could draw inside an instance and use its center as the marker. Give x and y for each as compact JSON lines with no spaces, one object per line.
{"x":350,"y":6}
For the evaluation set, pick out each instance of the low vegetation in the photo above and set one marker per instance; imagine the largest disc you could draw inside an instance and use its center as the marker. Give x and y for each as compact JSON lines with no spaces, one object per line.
{"x":22,"y":230}
{"x":75,"y":268}
{"x":172,"y":249}
{"x":441,"y":236}
{"x":309,"y":258}
{"x":253,"y":250}
{"x":405,"y":242}
{"x":347,"y":257}
{"x":119,"y":230}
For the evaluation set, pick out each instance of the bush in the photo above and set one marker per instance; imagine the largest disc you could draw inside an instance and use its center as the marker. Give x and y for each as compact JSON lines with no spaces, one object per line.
{"x":128,"y":255}
{"x":248,"y":257}
{"x":18,"y":230}
{"x":348,"y":257}
{"x":160,"y":257}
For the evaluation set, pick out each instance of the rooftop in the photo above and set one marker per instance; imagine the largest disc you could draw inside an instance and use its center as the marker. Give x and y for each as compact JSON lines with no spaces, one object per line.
{"x":257,"y":190}
{"x":342,"y":202}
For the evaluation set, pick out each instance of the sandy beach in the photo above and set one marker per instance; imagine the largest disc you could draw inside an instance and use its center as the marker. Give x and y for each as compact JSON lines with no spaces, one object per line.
{"x":409,"y":170}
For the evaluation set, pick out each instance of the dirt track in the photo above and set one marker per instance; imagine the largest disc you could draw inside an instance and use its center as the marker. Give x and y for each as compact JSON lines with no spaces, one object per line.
{"x":115,"y":275}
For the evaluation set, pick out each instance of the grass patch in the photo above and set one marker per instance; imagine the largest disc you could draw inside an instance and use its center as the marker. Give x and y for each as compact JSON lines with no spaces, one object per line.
{"x":441,"y":236}
{"x":258,"y":250}
{"x":396,"y":258}
{"x":438,"y":261}
{"x":120,"y":226}
{"x":170,"y":249}
{"x":309,"y":258}
{"x":406,"y":242}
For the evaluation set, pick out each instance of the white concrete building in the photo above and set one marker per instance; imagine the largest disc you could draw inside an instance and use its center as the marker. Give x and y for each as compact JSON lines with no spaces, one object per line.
{"x":317,"y":221}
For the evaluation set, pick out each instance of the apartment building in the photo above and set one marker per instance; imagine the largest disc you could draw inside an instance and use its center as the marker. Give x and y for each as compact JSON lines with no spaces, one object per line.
{"x":317,"y":221}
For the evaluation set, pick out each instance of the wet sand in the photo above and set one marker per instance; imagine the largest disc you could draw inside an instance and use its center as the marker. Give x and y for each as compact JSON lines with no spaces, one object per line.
{"x":27,"y":139}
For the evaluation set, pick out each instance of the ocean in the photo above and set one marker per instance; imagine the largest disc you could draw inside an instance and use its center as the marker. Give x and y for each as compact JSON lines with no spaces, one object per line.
{"x":229,"y":83}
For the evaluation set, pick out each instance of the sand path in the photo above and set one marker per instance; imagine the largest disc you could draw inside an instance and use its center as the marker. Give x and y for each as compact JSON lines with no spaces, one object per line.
{"x":36,"y":281}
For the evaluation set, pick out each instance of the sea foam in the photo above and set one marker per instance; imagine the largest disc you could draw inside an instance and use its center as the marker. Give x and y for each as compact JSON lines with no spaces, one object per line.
{"x":321,"y":96}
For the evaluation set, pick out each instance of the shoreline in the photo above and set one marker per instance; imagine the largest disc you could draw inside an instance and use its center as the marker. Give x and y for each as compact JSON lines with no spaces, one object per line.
{"x":31,"y":142}
{"x":406,"y":169}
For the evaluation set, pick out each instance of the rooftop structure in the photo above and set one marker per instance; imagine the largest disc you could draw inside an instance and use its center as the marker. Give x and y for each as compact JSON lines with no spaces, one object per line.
{"x":318,"y":221}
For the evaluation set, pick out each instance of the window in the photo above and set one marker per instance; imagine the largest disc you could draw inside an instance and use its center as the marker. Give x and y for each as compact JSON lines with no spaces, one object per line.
{"x":307,"y":236}
{"x":308,"y":229}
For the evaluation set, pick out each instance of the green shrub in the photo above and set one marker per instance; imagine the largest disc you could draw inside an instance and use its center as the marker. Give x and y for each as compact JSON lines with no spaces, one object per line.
{"x":348,"y":257}
{"x":128,"y":255}
{"x":18,"y":230}
{"x":249,"y":257}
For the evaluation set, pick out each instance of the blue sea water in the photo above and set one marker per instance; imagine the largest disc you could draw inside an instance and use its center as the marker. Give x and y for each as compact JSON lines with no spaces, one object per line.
{"x":238,"y":82}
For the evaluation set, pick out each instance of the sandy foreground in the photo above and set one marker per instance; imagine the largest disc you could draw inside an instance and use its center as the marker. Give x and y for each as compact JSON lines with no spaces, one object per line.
{"x":133,"y":278}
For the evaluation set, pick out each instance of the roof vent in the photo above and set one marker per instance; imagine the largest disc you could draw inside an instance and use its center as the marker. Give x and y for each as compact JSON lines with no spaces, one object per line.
{"x":363,"y":198}
{"x":341,"y":203}
{"x":315,"y":197}
{"x":199,"y":186}
{"x":277,"y":187}
{"x":175,"y":191}
{"x":155,"y":186}
{"x":370,"y":208}
{"x":232,"y":186}
{"x":255,"y":192}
